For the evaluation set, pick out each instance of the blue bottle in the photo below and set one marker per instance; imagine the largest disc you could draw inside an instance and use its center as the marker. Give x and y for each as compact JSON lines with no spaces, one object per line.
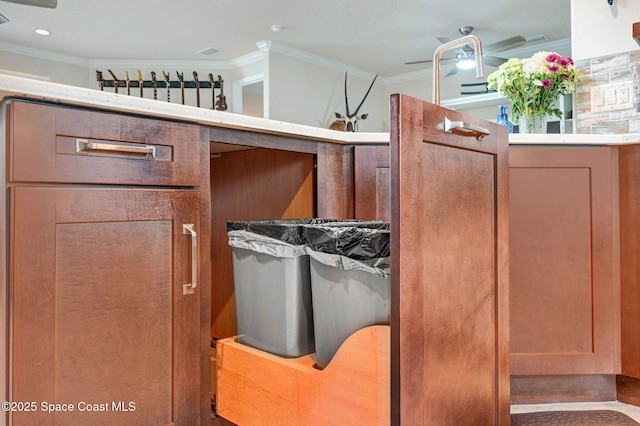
{"x":503,"y":118}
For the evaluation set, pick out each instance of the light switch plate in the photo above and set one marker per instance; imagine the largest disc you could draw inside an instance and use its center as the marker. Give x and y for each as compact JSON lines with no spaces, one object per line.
{"x":612,"y":97}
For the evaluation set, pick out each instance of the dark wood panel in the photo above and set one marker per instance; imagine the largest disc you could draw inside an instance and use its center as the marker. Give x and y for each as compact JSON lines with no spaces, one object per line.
{"x":372,"y":183}
{"x":449,"y":269}
{"x":43,"y":138}
{"x":335,"y":181}
{"x":206,"y":392}
{"x":263,"y":140}
{"x":564,"y":307}
{"x":628,"y":389}
{"x":629,"y":164}
{"x":564,"y":388}
{"x":245,"y":185}
{"x":98,"y":313}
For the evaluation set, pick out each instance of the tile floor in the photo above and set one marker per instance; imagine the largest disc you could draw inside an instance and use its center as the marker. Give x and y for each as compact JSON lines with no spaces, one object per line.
{"x":630,"y":410}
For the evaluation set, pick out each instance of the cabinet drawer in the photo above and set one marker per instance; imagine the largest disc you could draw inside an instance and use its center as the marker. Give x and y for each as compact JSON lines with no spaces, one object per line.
{"x":68,"y":145}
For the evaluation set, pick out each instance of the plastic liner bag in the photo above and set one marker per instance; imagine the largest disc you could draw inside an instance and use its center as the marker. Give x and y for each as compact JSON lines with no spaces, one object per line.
{"x":291,"y":230}
{"x":350,"y":247}
{"x":263,"y":244}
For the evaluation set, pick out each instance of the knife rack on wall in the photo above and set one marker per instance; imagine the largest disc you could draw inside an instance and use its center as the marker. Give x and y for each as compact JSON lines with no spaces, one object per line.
{"x":218,"y":101}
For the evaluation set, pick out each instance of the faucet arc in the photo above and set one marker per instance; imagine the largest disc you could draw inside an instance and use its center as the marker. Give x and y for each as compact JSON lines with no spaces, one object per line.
{"x":462,"y":41}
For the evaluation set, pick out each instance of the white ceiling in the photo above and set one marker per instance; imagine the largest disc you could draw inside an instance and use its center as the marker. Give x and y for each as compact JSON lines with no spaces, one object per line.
{"x":377,"y":36}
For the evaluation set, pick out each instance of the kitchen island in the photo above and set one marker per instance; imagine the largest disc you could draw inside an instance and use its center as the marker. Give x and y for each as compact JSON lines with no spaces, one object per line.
{"x":237,"y":158}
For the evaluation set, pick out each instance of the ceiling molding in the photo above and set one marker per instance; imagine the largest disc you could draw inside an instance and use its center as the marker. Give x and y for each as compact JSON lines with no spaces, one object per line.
{"x":563,"y":45}
{"x":143,"y":64}
{"x":312,"y":58}
{"x":43,"y":54}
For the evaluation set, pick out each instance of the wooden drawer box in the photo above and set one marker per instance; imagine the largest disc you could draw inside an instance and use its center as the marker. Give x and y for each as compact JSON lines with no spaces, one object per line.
{"x":67,"y":145}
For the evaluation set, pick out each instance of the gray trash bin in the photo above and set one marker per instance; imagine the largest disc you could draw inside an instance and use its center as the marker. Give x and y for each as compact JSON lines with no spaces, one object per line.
{"x":272,"y":288}
{"x":350,"y":282}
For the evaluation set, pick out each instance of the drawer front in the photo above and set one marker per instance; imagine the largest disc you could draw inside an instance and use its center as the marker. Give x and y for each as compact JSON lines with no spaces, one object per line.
{"x":67,"y":145}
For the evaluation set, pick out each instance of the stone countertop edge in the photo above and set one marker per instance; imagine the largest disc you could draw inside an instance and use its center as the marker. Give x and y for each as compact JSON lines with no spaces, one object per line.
{"x":36,"y":90}
{"x":25,"y":88}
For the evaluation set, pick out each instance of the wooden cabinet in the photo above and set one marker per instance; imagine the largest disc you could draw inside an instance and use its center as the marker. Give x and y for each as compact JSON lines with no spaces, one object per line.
{"x":629,"y":383}
{"x":105,"y":295}
{"x":372,"y":183}
{"x":564,"y":306}
{"x":449,"y":268}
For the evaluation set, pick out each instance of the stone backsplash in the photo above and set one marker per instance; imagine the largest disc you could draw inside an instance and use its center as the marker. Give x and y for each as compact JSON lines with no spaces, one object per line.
{"x":619,"y":68}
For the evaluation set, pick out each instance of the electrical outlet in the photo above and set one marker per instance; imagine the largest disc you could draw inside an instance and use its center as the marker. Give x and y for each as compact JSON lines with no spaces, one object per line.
{"x":611,"y":97}
{"x":623,"y":94}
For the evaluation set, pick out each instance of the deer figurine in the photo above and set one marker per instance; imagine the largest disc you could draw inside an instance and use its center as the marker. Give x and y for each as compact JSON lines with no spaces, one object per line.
{"x":349,"y":122}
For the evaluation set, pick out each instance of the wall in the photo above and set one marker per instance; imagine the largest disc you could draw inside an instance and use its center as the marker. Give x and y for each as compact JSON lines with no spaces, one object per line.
{"x":598,"y":29}
{"x":59,"y":69}
{"x":323,"y":89}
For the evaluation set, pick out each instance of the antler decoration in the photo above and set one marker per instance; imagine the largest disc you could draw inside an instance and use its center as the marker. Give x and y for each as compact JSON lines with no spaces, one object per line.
{"x":349,"y":122}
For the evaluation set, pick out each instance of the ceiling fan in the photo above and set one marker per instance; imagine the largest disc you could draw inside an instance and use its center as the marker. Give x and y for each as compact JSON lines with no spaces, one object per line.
{"x":51,"y":4}
{"x":465,"y":57}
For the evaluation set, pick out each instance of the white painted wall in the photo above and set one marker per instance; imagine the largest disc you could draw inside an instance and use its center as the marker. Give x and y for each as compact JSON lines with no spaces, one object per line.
{"x":74,"y":74}
{"x":598,"y":29}
{"x":308,"y":93}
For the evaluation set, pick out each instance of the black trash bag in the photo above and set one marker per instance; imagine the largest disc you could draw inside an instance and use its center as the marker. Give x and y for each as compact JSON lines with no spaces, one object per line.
{"x":290,"y":230}
{"x":369,"y":247}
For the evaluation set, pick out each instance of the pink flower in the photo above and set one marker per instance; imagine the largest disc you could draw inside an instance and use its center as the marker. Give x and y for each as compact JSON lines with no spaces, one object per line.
{"x":553,"y":57}
{"x":546,"y":83}
{"x":563,"y":62}
{"x":553,"y":68}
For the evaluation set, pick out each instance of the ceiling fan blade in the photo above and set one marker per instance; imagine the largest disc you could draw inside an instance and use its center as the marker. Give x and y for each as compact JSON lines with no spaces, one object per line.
{"x":506,"y":44}
{"x":428,"y":61}
{"x":493,"y":61}
{"x":454,"y":70}
{"x":51,"y":4}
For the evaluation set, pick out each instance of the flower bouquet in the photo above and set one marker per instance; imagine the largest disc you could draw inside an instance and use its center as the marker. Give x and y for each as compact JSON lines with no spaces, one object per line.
{"x":534,"y":84}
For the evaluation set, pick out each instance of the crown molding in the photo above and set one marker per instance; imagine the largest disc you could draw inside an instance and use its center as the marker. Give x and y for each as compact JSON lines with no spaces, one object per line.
{"x":283,"y":49}
{"x":43,"y":54}
{"x":128,"y":63}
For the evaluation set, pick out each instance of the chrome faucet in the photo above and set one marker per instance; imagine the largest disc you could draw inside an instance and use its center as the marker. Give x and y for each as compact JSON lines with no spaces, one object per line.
{"x":462,"y":41}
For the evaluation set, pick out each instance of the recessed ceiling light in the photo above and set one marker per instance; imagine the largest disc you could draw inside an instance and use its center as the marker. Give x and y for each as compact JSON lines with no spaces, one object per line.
{"x":276,"y":28}
{"x":42,"y":32}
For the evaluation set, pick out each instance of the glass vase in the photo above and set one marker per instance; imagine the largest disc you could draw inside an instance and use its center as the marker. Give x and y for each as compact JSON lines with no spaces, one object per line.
{"x":535,"y":123}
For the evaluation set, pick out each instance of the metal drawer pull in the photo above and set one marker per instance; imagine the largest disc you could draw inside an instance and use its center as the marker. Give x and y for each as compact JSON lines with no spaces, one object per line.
{"x":465,"y":129}
{"x":188,"y":228}
{"x":84,"y":146}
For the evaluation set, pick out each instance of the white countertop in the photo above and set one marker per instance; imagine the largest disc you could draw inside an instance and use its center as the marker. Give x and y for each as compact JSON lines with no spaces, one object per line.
{"x":19,"y":87}
{"x":11,"y":86}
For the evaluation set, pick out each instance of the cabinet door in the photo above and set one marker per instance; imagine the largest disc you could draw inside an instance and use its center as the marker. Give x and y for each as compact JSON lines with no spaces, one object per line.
{"x":372,"y":196}
{"x":98,"y":316}
{"x":449,"y":268}
{"x":562,"y":274}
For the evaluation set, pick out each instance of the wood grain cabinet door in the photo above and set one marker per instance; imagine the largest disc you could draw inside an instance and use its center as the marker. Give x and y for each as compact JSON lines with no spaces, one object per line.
{"x":98,"y":318}
{"x":372,"y":185}
{"x":449,"y":268}
{"x":563,"y":270}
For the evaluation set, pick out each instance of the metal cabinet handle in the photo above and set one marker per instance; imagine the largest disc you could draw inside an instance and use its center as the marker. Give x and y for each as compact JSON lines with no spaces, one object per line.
{"x":84,"y":146}
{"x":191,"y":288}
{"x":465,"y":129}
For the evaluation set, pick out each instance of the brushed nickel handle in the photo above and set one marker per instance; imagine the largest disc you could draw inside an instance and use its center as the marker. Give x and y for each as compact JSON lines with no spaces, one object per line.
{"x":187,"y":229}
{"x":191,"y":288}
{"x":83,"y":146}
{"x":465,"y":129}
